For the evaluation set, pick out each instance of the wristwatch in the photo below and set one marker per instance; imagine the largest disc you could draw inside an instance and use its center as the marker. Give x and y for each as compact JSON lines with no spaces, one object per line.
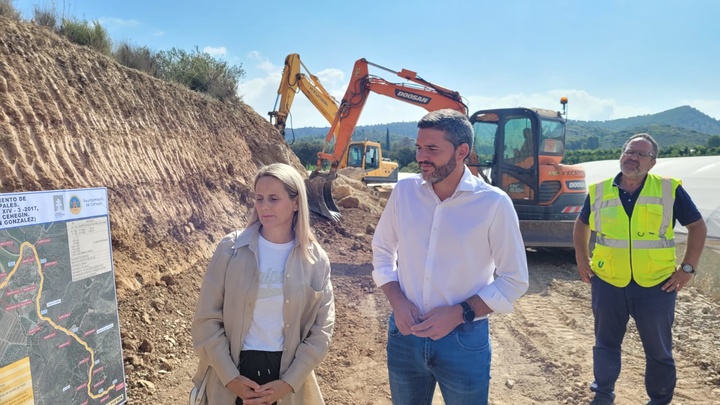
{"x":687,"y":268}
{"x":468,"y":313}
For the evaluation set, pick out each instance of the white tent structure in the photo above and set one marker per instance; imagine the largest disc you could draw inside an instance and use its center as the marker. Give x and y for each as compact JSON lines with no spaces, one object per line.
{"x":700,"y":177}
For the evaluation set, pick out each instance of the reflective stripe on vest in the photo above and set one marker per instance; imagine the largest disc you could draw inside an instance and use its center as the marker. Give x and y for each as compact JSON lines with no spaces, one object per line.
{"x":641,"y":246}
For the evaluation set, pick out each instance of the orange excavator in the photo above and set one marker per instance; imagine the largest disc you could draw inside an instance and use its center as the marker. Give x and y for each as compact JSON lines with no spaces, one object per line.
{"x":520,"y":151}
{"x":366,"y":155}
{"x":339,"y":152}
{"x":516,"y":149}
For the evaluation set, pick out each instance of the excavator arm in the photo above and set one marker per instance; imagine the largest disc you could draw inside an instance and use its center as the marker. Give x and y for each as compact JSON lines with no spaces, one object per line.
{"x":420,"y":92}
{"x":292,"y":81}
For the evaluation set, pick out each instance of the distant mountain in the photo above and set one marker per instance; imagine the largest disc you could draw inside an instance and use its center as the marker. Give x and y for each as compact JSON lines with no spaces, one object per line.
{"x":681,"y":117}
{"x":684,"y":126}
{"x":679,"y":126}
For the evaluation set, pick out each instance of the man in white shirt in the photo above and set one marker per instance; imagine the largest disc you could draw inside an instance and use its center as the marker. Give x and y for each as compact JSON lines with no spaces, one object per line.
{"x":447,"y":252}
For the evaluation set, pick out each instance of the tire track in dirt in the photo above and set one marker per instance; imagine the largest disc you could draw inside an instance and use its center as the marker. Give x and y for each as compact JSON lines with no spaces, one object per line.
{"x":543,"y":350}
{"x":351,"y":373}
{"x":549,"y":339}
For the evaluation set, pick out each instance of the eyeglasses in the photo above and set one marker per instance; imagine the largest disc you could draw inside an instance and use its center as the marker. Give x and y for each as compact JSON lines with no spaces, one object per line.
{"x":632,"y":152}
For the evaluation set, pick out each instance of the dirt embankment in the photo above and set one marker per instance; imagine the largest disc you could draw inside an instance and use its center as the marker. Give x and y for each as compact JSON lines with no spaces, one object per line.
{"x":177,"y":164}
{"x":178,"y":167}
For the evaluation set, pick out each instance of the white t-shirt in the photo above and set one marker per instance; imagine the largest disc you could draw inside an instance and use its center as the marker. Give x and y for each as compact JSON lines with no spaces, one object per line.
{"x":266,"y":329}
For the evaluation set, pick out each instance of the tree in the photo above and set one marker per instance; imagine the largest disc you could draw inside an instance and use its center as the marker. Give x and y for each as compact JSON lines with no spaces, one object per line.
{"x":387,"y":139}
{"x":713,"y":141}
{"x":403,"y":155}
{"x":307,"y":151}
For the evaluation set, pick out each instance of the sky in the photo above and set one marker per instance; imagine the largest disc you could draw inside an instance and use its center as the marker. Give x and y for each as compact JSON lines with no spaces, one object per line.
{"x":611,"y":58}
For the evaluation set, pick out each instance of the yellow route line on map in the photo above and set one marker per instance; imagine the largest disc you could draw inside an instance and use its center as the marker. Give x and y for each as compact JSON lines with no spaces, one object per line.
{"x":50,"y":321}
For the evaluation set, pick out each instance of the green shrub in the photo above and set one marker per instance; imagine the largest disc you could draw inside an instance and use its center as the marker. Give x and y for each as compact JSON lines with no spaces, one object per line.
{"x":412,"y":167}
{"x":81,"y":33}
{"x":45,"y":17}
{"x":8,"y":10}
{"x":137,"y":57}
{"x":200,"y":72}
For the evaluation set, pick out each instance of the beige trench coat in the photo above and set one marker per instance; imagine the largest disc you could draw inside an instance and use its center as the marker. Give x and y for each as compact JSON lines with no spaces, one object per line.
{"x":225,"y":308}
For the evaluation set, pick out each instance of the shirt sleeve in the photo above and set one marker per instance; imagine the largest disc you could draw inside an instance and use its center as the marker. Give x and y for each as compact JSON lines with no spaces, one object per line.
{"x":508,"y":252}
{"x":584,"y":215}
{"x":385,"y":242}
{"x":208,"y":331}
{"x":684,"y":209}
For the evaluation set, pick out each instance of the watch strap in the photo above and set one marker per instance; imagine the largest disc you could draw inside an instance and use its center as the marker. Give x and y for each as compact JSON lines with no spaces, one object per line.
{"x":466,"y":308}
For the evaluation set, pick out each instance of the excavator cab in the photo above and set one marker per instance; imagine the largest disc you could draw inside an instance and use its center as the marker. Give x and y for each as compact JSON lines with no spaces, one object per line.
{"x":519,"y":150}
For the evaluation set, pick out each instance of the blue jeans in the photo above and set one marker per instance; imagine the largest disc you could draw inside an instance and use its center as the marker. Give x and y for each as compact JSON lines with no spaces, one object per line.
{"x":654,"y":312}
{"x":459,"y":363}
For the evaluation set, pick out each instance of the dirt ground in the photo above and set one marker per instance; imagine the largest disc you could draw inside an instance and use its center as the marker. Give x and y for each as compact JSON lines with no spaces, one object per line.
{"x":178,"y":167}
{"x":541,"y":352}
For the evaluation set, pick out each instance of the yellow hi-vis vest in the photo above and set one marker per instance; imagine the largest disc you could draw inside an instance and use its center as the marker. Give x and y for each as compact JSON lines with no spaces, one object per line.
{"x":641,"y":247}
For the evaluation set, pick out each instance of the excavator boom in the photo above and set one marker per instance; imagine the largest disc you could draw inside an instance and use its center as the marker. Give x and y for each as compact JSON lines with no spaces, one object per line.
{"x":420,"y":92}
{"x":294,"y":80}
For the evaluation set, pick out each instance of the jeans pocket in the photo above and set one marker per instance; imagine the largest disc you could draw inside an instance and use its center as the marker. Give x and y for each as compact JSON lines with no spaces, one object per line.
{"x":474,"y":341}
{"x":392,"y":327}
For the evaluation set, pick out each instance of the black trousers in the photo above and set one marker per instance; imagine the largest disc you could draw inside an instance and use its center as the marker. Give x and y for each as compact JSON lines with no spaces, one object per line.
{"x":259,"y":366}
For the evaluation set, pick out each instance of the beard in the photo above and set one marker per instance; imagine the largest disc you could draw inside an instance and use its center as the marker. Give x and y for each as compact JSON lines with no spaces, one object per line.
{"x":439,"y":173}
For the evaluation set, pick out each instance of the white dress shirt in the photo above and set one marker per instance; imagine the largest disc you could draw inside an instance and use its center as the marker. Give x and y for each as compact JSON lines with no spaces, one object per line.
{"x":443,"y":252}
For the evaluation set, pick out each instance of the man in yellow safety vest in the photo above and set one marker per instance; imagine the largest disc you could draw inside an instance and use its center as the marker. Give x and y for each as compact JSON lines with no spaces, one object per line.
{"x":632,"y":270}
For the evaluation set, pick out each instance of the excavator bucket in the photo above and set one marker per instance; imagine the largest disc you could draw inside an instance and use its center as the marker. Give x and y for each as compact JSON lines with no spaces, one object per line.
{"x":320,"y":199}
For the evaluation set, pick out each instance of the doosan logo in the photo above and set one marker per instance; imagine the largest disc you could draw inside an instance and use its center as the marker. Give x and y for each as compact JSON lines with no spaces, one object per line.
{"x":412,"y":97}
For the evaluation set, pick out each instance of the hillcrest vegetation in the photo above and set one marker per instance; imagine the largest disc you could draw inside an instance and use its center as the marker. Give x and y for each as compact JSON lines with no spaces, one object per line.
{"x":197,"y":70}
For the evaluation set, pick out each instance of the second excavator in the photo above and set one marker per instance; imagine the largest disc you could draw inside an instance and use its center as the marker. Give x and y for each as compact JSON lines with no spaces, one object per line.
{"x":516,"y":149}
{"x":339,"y":152}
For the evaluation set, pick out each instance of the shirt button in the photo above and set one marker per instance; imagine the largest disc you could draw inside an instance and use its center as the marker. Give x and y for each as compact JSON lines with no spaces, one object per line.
{"x":287,"y":301}
{"x":287,"y":325}
{"x":287,"y":275}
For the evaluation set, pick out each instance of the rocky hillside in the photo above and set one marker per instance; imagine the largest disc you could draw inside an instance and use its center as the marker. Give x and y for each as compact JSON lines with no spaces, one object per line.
{"x":177,"y":164}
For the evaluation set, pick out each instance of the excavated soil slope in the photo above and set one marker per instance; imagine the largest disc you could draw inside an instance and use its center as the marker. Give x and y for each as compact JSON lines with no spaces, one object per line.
{"x":178,"y":167}
{"x":176,"y":164}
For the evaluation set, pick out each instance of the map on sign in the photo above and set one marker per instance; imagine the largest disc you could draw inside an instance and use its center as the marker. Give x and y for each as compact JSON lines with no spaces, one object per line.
{"x":59,"y":326}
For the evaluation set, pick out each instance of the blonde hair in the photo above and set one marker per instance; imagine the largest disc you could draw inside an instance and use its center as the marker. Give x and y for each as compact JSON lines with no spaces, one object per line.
{"x":295,"y":187}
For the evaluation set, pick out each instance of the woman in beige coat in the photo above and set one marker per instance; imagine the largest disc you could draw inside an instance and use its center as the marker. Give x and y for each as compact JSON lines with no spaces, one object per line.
{"x":265,"y":314}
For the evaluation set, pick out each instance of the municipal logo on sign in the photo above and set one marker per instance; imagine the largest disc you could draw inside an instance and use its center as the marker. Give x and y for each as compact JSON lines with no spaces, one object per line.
{"x":75,"y":205}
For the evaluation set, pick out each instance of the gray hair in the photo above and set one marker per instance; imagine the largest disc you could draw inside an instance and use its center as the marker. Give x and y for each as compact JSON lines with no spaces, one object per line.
{"x":456,"y":126}
{"x":647,"y":137}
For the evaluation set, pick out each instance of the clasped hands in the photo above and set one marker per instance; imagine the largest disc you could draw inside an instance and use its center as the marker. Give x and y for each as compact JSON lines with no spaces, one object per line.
{"x":253,"y":393}
{"x":436,"y":324}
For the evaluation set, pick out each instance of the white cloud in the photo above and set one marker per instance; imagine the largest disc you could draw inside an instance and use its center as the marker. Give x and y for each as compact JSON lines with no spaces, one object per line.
{"x":111,"y":22}
{"x":380,"y":109}
{"x":581,"y":105}
{"x":159,"y":33}
{"x":215,"y":51}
